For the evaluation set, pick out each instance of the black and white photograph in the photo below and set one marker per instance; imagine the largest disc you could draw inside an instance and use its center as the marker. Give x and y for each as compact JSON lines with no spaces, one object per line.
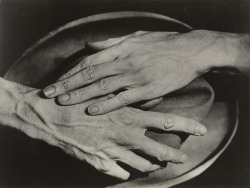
{"x":124,"y":93}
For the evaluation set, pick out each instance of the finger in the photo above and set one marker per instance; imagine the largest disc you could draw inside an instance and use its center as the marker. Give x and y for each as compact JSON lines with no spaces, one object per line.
{"x":84,"y":77}
{"x":131,"y":159}
{"x":105,"y":166}
{"x":171,"y":122}
{"x":93,"y":101}
{"x":151,"y":104}
{"x":122,"y":99}
{"x":113,"y":169}
{"x":160,"y":151}
{"x":100,"y":88}
{"x":95,"y":59}
{"x":101,"y":45}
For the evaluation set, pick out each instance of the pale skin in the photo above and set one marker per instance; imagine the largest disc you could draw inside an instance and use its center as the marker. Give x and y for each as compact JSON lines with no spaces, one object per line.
{"x":148,"y":65}
{"x":99,"y":140}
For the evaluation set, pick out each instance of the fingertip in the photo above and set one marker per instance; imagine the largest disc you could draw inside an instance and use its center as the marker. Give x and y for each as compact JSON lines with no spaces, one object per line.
{"x":152,"y":103}
{"x":201,"y":130}
{"x":93,"y":110}
{"x":125,"y":175}
{"x":155,"y":167}
{"x":179,"y":157}
{"x":93,"y":46}
{"x":63,"y":98}
{"x":118,"y":172}
{"x":87,"y":44}
{"x":183,"y":158}
{"x":49,"y":91}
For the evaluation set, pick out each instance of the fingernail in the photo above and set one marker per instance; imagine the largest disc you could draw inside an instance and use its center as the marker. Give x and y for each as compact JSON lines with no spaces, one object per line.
{"x":93,"y":109}
{"x":201,"y":130}
{"x":110,"y":96}
{"x":183,"y":158}
{"x":64,"y":97}
{"x":50,"y":90}
{"x":169,"y":121}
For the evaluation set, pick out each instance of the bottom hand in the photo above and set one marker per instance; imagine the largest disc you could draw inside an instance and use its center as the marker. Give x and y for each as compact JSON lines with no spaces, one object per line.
{"x":100,"y":140}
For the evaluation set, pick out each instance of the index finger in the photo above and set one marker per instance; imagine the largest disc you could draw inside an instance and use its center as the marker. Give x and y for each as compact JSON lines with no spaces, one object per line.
{"x":106,"y":55}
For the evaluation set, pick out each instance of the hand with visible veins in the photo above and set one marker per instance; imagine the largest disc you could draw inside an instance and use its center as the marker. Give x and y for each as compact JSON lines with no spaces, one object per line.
{"x":149,"y":65}
{"x":100,"y":140}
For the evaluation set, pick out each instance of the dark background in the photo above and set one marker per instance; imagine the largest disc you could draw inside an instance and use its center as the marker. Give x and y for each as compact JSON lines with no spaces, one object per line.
{"x":25,"y":21}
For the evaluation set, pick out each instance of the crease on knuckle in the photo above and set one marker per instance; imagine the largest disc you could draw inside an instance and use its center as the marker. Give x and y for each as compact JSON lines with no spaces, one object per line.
{"x":124,"y":98}
{"x":104,"y":84}
{"x":168,"y":121}
{"x":79,"y":94}
{"x":65,"y":84}
{"x":67,"y":149}
{"x":163,"y":155}
{"x":66,"y":75}
{"x":104,"y":167}
{"x":86,"y":62}
{"x":88,"y":73}
{"x":128,"y":117}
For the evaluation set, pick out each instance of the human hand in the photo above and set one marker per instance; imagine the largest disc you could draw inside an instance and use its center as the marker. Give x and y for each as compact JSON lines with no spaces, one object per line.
{"x":100,"y":140}
{"x":150,"y":64}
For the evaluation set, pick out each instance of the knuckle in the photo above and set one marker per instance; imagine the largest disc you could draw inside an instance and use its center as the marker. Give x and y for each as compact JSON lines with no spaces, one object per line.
{"x":163,"y":155}
{"x":128,"y":63}
{"x":104,"y":167}
{"x":104,"y":84}
{"x":65,"y":84}
{"x":123,"y":138}
{"x":168,"y":121}
{"x":110,"y":40}
{"x":67,"y":149}
{"x":137,"y":78}
{"x":79,"y":94}
{"x":124,"y":98}
{"x":124,"y":44}
{"x":126,"y":116}
{"x":143,"y":77}
{"x":113,"y":135}
{"x":86,"y":62}
{"x":66,"y":75}
{"x":89,"y":73}
{"x":139,"y":32}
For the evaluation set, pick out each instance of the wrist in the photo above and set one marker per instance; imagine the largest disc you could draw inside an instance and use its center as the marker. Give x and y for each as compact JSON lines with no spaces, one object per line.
{"x":20,"y":110}
{"x":228,"y":52}
{"x":7,"y":102}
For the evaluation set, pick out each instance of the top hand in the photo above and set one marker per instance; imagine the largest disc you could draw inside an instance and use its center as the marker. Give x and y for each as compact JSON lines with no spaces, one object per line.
{"x":150,"y":64}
